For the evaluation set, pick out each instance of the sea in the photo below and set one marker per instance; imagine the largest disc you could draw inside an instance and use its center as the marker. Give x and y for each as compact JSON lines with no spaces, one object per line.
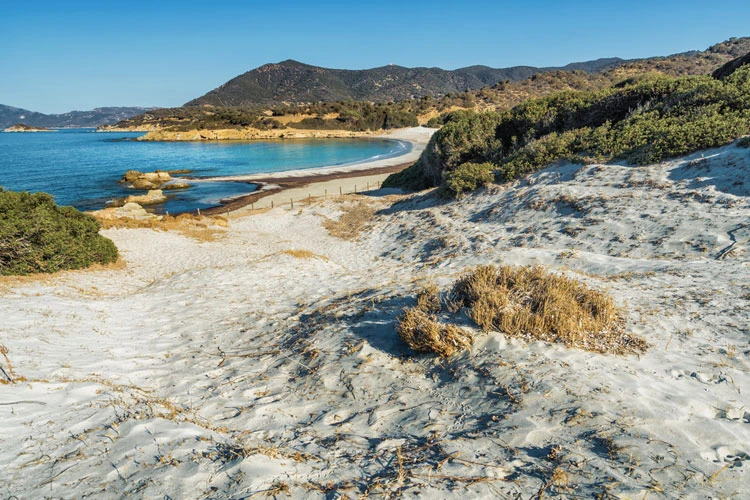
{"x":82,"y":167}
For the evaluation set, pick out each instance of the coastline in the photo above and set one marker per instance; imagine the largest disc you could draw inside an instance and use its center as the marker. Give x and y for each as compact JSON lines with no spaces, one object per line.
{"x":156,"y":134}
{"x":294,"y":185}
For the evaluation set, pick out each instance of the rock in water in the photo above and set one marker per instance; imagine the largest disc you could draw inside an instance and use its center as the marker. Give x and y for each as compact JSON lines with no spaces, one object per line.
{"x":153,"y":197}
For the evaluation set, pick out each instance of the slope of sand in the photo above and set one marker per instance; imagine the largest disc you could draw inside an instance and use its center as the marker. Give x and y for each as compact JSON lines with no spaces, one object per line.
{"x":265,"y":363}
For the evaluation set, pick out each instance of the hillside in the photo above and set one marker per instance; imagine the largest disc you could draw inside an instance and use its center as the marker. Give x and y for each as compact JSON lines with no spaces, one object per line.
{"x":360,"y":115}
{"x":641,"y":121}
{"x":294,"y":82}
{"x":10,"y":115}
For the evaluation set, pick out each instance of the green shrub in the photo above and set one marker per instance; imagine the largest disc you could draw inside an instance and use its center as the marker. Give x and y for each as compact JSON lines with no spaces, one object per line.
{"x":37,"y":236}
{"x":434,"y":122}
{"x":466,"y":177}
{"x":744,"y":142}
{"x":643,"y":120}
{"x":412,"y":178}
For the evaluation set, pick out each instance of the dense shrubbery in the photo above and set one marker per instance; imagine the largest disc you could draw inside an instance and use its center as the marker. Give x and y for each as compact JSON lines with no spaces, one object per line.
{"x":640,"y":121}
{"x":37,"y":236}
{"x":467,"y":177}
{"x":359,"y":116}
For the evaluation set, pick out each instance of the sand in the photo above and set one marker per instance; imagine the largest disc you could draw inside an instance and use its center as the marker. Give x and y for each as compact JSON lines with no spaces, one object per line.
{"x":265,"y":363}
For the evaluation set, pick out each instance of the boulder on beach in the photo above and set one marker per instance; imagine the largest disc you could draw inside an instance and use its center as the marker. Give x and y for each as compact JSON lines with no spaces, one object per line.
{"x":129,"y":210}
{"x":153,"y":197}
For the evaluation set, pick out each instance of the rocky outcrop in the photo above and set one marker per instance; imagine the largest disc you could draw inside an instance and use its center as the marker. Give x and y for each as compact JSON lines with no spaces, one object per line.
{"x":146,"y":180}
{"x":175,"y":185}
{"x":153,"y":180}
{"x":130,"y":128}
{"x":21,"y":127}
{"x":246,"y":134}
{"x":153,"y":197}
{"x":127,"y":211}
{"x":731,"y":67}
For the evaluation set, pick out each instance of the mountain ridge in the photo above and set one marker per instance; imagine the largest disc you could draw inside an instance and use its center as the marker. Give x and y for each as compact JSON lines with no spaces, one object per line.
{"x":292,"y":81}
{"x":107,"y":115}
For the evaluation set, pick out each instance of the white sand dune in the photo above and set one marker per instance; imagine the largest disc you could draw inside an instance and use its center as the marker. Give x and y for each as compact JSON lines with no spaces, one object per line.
{"x":231,"y":369}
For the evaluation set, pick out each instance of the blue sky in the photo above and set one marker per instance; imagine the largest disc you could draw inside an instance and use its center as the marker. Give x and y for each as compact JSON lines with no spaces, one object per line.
{"x":59,"y":56}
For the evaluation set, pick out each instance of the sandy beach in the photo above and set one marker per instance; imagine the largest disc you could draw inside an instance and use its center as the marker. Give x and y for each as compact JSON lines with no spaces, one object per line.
{"x":264,"y":362}
{"x":301,"y":185}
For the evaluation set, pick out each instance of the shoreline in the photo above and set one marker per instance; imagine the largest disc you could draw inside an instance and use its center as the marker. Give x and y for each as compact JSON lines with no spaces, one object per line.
{"x":157,"y":134}
{"x":317,"y":182}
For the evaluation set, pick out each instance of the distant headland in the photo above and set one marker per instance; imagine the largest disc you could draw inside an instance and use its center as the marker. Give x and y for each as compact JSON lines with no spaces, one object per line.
{"x":22,"y":127}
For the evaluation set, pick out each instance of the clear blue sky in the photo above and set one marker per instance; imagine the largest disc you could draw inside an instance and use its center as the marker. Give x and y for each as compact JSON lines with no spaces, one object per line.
{"x":56,"y":56}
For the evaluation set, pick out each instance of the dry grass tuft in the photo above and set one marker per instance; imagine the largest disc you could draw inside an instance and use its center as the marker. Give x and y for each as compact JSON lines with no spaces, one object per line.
{"x":534,"y":304}
{"x":304,"y":254}
{"x":7,"y":374}
{"x":428,"y":300}
{"x":355,"y":219}
{"x":421,"y":331}
{"x":201,"y":228}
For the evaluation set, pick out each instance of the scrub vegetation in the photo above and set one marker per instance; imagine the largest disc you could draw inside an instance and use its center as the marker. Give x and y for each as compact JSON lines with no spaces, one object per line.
{"x":37,"y":236}
{"x":640,"y":121}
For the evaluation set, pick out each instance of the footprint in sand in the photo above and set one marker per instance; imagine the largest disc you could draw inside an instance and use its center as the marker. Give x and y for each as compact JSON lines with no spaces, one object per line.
{"x":726,"y":454}
{"x":707,"y":378}
{"x":733,"y":411}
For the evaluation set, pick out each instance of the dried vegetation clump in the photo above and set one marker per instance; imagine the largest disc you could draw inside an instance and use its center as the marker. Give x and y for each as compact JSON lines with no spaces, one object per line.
{"x":419,"y":328}
{"x":303,"y":254}
{"x":354,"y":219}
{"x":534,"y":304}
{"x":526,"y":302}
{"x":423,"y":333}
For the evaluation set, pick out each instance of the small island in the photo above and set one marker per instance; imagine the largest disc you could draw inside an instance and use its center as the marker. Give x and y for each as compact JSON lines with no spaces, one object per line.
{"x":22,"y":127}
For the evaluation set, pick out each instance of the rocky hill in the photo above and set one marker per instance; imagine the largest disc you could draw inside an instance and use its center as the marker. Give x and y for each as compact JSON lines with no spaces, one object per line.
{"x":10,"y":115}
{"x":294,"y":82}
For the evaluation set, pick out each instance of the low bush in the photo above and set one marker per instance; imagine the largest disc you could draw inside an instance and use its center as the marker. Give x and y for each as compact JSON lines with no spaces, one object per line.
{"x":412,"y":178}
{"x":467,"y":177}
{"x":643,"y":120}
{"x":37,"y":236}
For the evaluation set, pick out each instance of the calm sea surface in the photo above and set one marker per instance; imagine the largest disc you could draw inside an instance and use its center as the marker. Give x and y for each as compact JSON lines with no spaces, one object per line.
{"x":82,"y":168}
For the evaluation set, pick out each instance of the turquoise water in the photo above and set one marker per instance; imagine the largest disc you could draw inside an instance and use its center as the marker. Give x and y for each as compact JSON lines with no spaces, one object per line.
{"x":82,"y":168}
